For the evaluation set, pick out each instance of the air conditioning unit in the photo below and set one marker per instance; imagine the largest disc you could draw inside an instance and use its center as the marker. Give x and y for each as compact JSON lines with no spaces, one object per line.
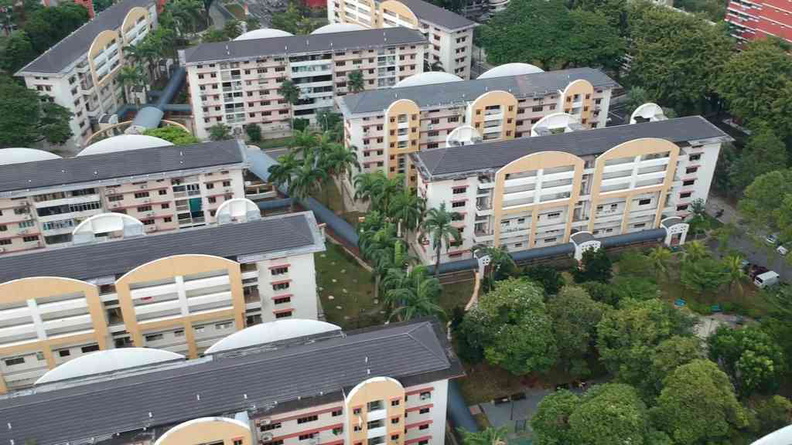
{"x":266,"y":437}
{"x":266,"y":421}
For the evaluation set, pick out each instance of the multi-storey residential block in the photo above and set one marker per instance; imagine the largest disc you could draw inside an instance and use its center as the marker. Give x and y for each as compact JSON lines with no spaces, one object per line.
{"x":180,"y":291}
{"x":450,"y":35}
{"x":538,"y":191}
{"x":166,"y":187}
{"x":237,"y":82}
{"x":79,"y":72}
{"x":756,"y":19}
{"x":383,"y":127}
{"x":381,"y":385}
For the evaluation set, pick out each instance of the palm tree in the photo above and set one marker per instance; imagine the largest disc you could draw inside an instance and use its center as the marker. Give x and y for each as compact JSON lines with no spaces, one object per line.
{"x":131,"y":76}
{"x":303,"y":141}
{"x":406,"y":208}
{"x":186,"y":15}
{"x":307,"y":178}
{"x":378,"y":189}
{"x":365,"y":185}
{"x":500,"y":261}
{"x":439,"y":229}
{"x":339,"y":161}
{"x":418,"y":296}
{"x":291,"y":94}
{"x":220,"y":132}
{"x":281,"y":173}
{"x":695,"y":250}
{"x":660,"y":257}
{"x":355,"y":81}
{"x":734,"y":268}
{"x":490,"y":436}
{"x":376,"y":244}
{"x":395,"y":266}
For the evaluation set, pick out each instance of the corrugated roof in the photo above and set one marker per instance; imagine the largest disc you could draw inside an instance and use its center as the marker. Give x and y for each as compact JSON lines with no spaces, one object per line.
{"x":338,"y":41}
{"x":265,"y":236}
{"x":56,"y":172}
{"x":76,"y":44}
{"x":494,"y":155}
{"x":437,"y":16}
{"x":413,"y":353}
{"x":427,"y":96}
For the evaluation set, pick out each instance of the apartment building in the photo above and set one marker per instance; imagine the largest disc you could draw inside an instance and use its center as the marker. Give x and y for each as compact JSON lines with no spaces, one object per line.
{"x":450,"y":35}
{"x":237,"y":82}
{"x":79,"y":72}
{"x":42,"y":200}
{"x":507,"y":102}
{"x":380,"y":385}
{"x":757,"y":19}
{"x":538,"y":191}
{"x":178,"y":291}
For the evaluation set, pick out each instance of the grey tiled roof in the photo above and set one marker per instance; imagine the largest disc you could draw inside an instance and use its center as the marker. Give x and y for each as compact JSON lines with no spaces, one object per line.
{"x":494,"y":155}
{"x":413,"y":353}
{"x":57,"y":58}
{"x":98,"y":167}
{"x":347,"y":40}
{"x":295,"y":231}
{"x":526,"y":85}
{"x":436,"y":15}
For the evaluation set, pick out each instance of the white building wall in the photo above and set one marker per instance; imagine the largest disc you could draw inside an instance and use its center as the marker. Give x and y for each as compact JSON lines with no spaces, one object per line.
{"x":301,"y":277}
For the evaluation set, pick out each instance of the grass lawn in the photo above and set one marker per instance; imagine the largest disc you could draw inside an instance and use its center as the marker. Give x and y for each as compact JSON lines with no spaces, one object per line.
{"x":273,"y":143}
{"x":483,"y":383}
{"x":237,"y":10}
{"x":330,"y":196}
{"x":455,"y":295}
{"x":345,"y":289}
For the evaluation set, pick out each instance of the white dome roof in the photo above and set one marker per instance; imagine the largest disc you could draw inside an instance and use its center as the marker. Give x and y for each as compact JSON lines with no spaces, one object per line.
{"x":263,"y":33}
{"x":107,"y":361}
{"x":271,"y":332}
{"x":428,"y":78}
{"x":123,"y":142}
{"x":463,"y":135}
{"x":20,"y":155}
{"x":338,"y":27}
{"x":511,"y":69}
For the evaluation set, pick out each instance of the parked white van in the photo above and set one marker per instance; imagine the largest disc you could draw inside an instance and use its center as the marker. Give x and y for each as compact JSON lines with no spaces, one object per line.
{"x":766,"y":279}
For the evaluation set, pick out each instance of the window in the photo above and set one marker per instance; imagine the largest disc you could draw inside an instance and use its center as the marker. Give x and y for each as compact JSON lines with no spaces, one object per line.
{"x":375,"y":424}
{"x":644,"y":202}
{"x":280,"y":286}
{"x":178,"y":333}
{"x":356,"y":411}
{"x":426,"y":395}
{"x":64,"y":353}
{"x":223,"y":325}
{"x":395,"y":402}
{"x":423,"y":411}
{"x":307,"y":419}
{"x":167,"y":219}
{"x":198,"y":329}
{"x":163,"y":192}
{"x":682,"y":207}
{"x":89,"y":348}
{"x":274,"y":442}
{"x":337,"y":413}
{"x":283,"y":300}
{"x":280,"y":270}
{"x":690,"y":170}
{"x":394,"y":420}
{"x":5,"y":242}
{"x":237,"y":442}
{"x":459,"y":190}
{"x":689,"y":182}
{"x":154,"y":337}
{"x":553,"y":215}
{"x":308,"y":436}
{"x":283,"y":314}
{"x":165,"y":206}
{"x":695,"y":157}
{"x":144,"y":209}
{"x":15,"y":361}
{"x":30,"y":239}
{"x":685,"y":195}
{"x":375,"y":405}
{"x":115,"y":198}
{"x":226,"y":183}
{"x":271,"y":426}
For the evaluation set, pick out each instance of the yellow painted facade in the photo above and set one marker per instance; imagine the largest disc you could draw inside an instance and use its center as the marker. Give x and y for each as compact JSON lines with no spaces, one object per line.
{"x":401,"y":115}
{"x":505,"y":102}
{"x":384,"y":390}
{"x":208,"y":431}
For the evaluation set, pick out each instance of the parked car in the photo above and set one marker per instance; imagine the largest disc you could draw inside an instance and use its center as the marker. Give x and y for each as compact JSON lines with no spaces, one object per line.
{"x":771,"y":239}
{"x":744,"y":264}
{"x":766,"y":279}
{"x":755,"y":270}
{"x":782,"y":250}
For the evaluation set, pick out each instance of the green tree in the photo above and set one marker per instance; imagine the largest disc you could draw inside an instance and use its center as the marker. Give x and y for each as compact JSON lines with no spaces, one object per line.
{"x":713,"y":10}
{"x":660,"y":257}
{"x":339,"y":162}
{"x":16,"y":50}
{"x":501,"y":264}
{"x":304,"y":141}
{"x":26,"y":120}
{"x":406,"y":209}
{"x":763,"y":153}
{"x":253,"y":132}
{"x":627,"y":337}
{"x":734,"y":271}
{"x":547,"y":34}
{"x":704,"y":275}
{"x":550,"y":424}
{"x":214,"y":35}
{"x":636,"y":97}
{"x":677,"y":58}
{"x":294,"y":20}
{"x":549,"y":277}
{"x":697,"y":404}
{"x":331,"y":124}
{"x":378,"y":244}
{"x":48,"y":26}
{"x":574,"y":316}
{"x":308,"y":178}
{"x":602,"y":292}
{"x":291,"y":94}
{"x":772,"y":414}
{"x":232,"y":29}
{"x":220,"y":132}
{"x":438,"y":229}
{"x":186,"y":15}
{"x":695,"y":251}
{"x":671,"y":354}
{"x":609,"y":414}
{"x":750,"y":357}
{"x":490,"y":436}
{"x":252,"y":23}
{"x":281,"y":174}
{"x":595,"y":266}
{"x":514,"y":330}
{"x":173,"y":134}
{"x":767,"y":203}
{"x":355,"y":81}
{"x":636,"y":264}
{"x":636,"y":288}
{"x":754,"y":82}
